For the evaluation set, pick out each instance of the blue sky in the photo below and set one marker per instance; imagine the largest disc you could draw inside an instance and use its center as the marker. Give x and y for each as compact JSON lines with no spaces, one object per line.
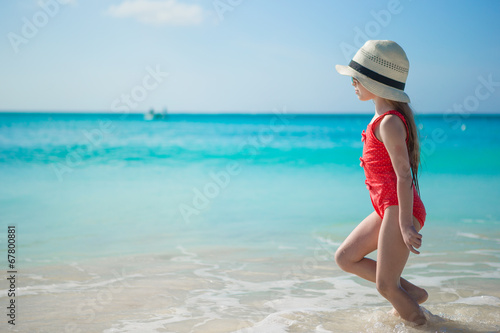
{"x":240,"y":55}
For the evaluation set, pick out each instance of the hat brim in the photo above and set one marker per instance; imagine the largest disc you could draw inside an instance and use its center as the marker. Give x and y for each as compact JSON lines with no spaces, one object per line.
{"x":373,"y":86}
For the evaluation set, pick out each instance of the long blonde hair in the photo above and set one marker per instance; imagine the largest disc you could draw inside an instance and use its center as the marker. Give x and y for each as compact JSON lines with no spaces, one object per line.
{"x":413,"y":140}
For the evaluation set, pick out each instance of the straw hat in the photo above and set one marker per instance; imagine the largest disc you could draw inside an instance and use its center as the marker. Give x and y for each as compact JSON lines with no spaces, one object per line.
{"x":382,"y":67}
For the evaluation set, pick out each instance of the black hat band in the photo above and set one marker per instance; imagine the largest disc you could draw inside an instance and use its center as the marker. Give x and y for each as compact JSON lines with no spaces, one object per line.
{"x":376,"y":76}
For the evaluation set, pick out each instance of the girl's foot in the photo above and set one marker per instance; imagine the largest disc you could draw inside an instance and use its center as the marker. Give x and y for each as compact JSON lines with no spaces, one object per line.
{"x":418,"y":323}
{"x":418,"y":294}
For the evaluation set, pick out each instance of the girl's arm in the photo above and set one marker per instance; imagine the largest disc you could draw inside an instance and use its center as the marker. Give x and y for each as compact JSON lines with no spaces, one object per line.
{"x":393,"y":135}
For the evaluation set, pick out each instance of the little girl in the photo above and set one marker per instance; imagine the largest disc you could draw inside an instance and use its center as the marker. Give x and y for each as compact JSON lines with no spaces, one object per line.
{"x":390,"y":160}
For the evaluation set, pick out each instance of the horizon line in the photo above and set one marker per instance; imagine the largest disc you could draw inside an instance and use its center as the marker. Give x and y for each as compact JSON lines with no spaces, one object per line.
{"x":242,"y":113}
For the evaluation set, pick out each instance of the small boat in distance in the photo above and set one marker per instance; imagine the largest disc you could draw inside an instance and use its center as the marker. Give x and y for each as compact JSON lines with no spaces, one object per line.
{"x":152,"y":115}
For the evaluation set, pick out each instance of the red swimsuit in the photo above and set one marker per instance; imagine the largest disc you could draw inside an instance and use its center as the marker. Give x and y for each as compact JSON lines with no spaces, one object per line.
{"x":381,"y":179}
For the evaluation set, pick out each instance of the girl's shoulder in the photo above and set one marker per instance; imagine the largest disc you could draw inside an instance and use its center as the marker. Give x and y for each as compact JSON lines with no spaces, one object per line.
{"x":392,"y":124}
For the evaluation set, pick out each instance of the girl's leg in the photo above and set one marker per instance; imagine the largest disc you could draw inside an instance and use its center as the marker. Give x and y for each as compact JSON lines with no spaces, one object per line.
{"x":350,"y":256}
{"x":391,"y":260}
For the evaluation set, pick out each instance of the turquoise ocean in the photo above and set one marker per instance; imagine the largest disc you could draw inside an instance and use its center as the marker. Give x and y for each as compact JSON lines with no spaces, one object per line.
{"x":229,"y":223}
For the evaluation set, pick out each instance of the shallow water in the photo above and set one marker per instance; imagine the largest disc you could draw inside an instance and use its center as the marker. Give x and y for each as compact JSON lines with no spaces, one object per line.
{"x":104,"y":244}
{"x":249,"y":290}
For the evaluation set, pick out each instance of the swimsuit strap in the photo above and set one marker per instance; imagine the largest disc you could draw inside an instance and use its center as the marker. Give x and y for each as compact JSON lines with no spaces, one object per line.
{"x":394,"y":112}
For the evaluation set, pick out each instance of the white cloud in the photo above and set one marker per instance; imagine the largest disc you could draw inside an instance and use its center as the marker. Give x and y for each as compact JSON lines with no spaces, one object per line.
{"x":159,"y":12}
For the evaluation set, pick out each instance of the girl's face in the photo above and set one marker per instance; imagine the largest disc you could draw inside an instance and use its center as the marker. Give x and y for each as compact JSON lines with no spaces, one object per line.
{"x":362,"y":92}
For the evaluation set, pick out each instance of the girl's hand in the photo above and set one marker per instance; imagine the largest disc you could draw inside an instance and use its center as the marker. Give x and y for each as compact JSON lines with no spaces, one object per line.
{"x":412,"y":238}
